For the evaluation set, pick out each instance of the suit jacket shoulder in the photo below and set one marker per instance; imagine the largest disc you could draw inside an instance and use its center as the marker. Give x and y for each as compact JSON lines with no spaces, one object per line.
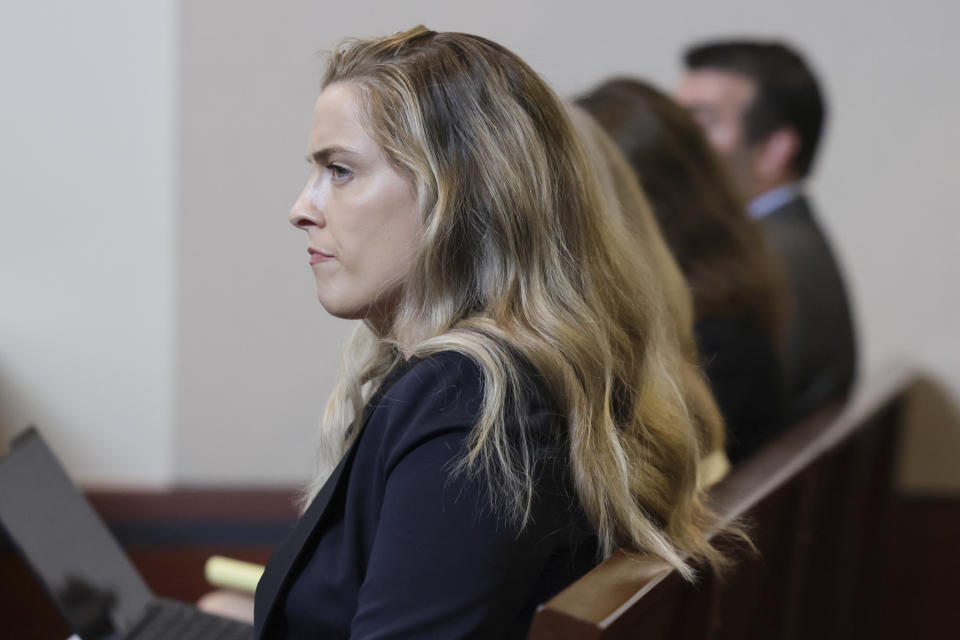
{"x":821,"y":349}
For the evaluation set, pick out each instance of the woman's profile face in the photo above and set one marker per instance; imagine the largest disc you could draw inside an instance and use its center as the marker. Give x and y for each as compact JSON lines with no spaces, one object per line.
{"x":359,"y":212}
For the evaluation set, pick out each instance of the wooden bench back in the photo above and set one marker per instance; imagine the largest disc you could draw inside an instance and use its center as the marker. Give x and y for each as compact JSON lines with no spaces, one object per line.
{"x":814,"y":503}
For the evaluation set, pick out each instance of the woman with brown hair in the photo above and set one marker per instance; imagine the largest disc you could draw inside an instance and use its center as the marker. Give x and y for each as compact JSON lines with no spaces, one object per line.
{"x":737,"y":290}
{"x":510,"y":409}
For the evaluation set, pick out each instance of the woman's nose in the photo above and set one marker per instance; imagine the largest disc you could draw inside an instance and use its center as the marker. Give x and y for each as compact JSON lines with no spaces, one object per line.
{"x":305,"y":213}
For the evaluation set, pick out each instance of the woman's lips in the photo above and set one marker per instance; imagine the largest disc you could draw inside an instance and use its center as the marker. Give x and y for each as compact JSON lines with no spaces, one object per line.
{"x":317,"y":256}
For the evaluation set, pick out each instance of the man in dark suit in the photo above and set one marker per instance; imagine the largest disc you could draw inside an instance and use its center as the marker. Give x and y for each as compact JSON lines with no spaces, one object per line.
{"x":762,"y":109}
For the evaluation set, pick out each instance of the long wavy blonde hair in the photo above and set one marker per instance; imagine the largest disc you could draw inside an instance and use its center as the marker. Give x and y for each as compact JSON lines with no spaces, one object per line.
{"x":625,"y":198}
{"x":519,"y":260}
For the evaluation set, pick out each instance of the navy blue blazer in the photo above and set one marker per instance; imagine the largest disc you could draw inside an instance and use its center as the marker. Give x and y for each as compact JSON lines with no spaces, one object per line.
{"x":397,"y":545}
{"x":747,"y":380}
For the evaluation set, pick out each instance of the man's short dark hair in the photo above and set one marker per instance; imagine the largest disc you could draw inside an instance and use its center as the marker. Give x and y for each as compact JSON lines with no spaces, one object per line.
{"x":787,"y":91}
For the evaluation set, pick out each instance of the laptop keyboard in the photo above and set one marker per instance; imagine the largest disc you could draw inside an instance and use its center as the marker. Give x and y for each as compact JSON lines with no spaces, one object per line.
{"x":170,"y":620}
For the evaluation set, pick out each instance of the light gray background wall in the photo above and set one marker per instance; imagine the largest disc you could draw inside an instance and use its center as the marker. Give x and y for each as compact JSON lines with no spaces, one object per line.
{"x":88,"y":137}
{"x":191,"y":303}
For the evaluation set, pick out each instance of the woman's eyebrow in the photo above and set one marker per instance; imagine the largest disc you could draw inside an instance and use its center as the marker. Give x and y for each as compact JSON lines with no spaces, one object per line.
{"x":322,"y":156}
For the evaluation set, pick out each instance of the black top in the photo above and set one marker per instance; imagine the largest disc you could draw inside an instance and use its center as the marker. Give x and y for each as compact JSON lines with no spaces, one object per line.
{"x":402,"y":547}
{"x":746,"y":377}
{"x":821,"y":348}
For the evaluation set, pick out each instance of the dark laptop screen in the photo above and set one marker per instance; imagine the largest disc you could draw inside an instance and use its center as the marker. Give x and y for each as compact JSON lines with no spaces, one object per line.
{"x":66,"y":544}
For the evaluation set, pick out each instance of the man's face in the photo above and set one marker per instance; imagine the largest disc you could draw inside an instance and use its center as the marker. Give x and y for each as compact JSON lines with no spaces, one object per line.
{"x":717,"y":100}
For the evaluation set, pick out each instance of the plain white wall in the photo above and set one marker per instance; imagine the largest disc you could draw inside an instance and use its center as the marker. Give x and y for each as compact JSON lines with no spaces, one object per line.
{"x":255,"y":355}
{"x":87,"y":256}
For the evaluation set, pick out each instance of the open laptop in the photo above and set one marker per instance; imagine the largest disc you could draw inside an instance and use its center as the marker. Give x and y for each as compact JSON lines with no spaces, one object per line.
{"x":82,"y":567}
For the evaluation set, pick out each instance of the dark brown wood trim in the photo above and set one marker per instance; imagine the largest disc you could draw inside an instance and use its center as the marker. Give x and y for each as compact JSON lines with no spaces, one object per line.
{"x":186,"y":503}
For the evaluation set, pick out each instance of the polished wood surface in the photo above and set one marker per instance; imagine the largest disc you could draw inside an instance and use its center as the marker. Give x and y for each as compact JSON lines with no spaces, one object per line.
{"x":817,"y":506}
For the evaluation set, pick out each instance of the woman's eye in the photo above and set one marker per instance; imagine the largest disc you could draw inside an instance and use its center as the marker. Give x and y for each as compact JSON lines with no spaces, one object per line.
{"x":339,"y":172}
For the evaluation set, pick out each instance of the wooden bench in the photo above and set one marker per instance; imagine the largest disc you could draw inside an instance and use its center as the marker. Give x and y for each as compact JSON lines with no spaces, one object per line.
{"x":814,"y":501}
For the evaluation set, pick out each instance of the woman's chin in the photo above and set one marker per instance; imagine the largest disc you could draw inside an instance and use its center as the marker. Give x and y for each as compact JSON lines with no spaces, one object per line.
{"x":339,"y":312}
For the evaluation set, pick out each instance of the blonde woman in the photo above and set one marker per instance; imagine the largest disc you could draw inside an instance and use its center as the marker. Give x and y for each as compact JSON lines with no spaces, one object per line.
{"x":511,"y":408}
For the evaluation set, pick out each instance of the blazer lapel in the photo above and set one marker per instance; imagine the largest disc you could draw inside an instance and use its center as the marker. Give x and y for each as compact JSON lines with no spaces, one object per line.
{"x":280,"y":570}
